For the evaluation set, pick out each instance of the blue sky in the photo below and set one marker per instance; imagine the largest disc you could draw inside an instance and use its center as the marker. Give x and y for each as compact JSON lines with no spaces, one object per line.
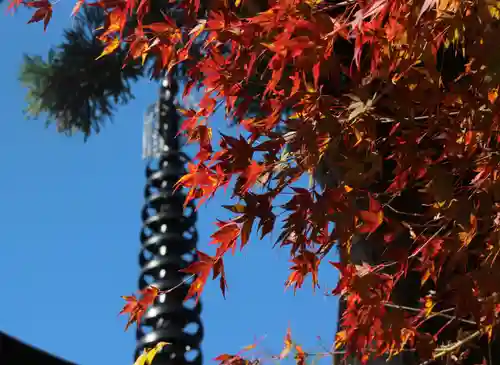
{"x":69,"y":237}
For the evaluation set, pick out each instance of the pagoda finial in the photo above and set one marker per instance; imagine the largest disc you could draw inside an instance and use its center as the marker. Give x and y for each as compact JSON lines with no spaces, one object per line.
{"x":168,"y":240}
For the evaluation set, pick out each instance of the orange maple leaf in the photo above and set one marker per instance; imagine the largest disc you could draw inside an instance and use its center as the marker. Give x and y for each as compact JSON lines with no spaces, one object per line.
{"x":300,"y":356}
{"x":201,"y":268}
{"x":133,"y":307}
{"x":226,"y":237}
{"x":139,"y":48}
{"x":251,"y":175}
{"x":137,"y":307}
{"x":372,"y":218}
{"x":199,"y":177}
{"x":115,"y":22}
{"x":226,"y":358}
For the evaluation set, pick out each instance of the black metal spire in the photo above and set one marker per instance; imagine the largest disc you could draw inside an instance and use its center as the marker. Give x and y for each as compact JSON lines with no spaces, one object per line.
{"x":168,"y":244}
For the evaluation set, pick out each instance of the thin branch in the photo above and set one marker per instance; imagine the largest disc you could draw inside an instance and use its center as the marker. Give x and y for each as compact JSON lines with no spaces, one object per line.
{"x":455,"y":346}
{"x":403,"y":213}
{"x":338,"y":5}
{"x":427,"y":242}
{"x":178,"y":285}
{"x":431,"y":314}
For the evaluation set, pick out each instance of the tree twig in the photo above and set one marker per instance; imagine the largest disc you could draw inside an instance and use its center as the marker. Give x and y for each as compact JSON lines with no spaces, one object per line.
{"x":431,"y":314}
{"x":403,"y":213}
{"x":340,"y":4}
{"x":427,"y":242}
{"x":444,"y":351}
{"x":177,"y":286}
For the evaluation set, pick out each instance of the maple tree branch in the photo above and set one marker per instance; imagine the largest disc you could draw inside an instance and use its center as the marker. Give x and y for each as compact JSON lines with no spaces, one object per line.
{"x":325,"y":353}
{"x":446,"y":350}
{"x":385,"y":119}
{"x":337,"y":5}
{"x":403,"y":213}
{"x":427,"y":242}
{"x":431,"y":314}
{"x":178,"y":285}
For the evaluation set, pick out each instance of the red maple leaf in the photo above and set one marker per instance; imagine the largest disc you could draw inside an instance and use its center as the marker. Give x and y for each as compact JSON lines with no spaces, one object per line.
{"x":137,"y":307}
{"x":218,"y":269}
{"x":43,"y":12}
{"x":304,"y":264}
{"x":346,"y":273}
{"x":14,"y":4}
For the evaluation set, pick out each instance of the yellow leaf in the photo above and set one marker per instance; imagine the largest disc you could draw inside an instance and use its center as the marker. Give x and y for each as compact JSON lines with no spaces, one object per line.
{"x":448,"y":6}
{"x":359,"y":137}
{"x":494,"y":11}
{"x":425,"y":277}
{"x":110,"y":48}
{"x":340,"y":339}
{"x":489,"y":331}
{"x":147,"y":356}
{"x":429,"y":305}
{"x":347,"y":188}
{"x":288,"y":344}
{"x":438,"y":205}
{"x":200,"y":27}
{"x":237,"y":3}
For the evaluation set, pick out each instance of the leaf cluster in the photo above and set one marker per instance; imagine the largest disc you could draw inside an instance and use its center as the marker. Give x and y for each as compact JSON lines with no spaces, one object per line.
{"x":75,"y":87}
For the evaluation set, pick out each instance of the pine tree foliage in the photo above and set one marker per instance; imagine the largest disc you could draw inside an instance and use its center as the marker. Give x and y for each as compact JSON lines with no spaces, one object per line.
{"x":74,"y":90}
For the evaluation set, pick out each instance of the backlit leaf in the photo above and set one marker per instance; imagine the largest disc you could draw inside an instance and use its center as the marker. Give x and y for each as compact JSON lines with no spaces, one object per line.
{"x":110,"y":47}
{"x":147,"y":357}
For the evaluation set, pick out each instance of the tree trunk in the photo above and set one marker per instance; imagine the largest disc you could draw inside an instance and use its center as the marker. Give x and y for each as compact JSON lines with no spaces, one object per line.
{"x":364,"y":251}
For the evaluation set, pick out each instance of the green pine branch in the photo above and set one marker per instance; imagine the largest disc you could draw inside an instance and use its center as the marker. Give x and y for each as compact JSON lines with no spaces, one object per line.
{"x":70,"y":87}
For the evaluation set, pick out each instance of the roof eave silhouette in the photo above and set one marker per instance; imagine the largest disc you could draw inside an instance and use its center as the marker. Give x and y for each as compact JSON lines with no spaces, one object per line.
{"x":16,"y":352}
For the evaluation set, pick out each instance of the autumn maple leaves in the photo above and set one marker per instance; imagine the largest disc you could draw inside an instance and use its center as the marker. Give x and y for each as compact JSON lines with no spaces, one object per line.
{"x":270,"y":71}
{"x":226,"y":237}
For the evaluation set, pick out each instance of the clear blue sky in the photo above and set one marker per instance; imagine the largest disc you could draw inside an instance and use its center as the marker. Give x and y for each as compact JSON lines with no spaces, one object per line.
{"x":70,"y":220}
